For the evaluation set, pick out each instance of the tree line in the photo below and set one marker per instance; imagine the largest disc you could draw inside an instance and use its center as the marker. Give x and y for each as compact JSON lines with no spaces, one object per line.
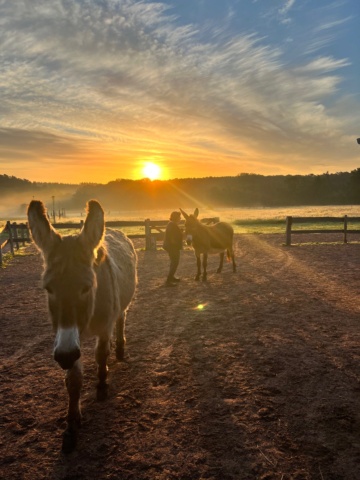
{"x":244,"y":190}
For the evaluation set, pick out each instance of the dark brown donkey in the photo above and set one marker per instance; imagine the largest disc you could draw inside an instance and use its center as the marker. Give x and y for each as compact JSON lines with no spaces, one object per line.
{"x":90,"y":282}
{"x":207,"y":239}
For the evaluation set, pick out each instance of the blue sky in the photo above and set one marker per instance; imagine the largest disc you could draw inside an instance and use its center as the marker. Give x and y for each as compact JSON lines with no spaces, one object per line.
{"x":92,"y":90}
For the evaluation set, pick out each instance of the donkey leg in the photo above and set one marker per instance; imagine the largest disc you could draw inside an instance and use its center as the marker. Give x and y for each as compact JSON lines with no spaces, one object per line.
{"x":102,"y":352}
{"x":120,"y":336}
{"x":198,"y":263}
{"x":233,"y":260}
{"x":73,"y":382}
{"x":205,"y":259}
{"x":221,"y":262}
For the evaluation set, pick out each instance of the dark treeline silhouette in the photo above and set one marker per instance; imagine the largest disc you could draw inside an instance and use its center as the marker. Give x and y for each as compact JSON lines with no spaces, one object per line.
{"x":16,"y":193}
{"x":244,"y":190}
{"x":9,"y":182}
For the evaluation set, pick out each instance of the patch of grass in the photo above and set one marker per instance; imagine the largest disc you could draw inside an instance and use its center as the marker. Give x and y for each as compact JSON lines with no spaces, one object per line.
{"x":306,"y":244}
{"x":273,"y":225}
{"x":278,"y":225}
{"x":6,"y":258}
{"x":22,"y":252}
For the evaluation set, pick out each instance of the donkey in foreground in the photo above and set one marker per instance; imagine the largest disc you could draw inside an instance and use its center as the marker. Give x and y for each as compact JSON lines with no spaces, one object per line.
{"x":206,"y":239}
{"x":90,"y":284}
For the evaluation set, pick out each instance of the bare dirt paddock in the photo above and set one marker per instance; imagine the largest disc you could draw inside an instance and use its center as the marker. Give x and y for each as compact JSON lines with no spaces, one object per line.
{"x":260,"y":383}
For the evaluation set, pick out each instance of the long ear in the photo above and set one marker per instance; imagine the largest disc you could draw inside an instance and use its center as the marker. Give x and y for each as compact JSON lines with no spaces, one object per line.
{"x":184,"y":214}
{"x":196,"y":212}
{"x":42,"y":232}
{"x":92,"y":233}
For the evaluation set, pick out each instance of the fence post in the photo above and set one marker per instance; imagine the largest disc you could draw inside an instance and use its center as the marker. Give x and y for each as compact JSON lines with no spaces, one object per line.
{"x":23,"y":234}
{"x":147,"y":234}
{"x":15,"y":232}
{"x":8,"y":227}
{"x":288,"y":230}
{"x":345,"y":229}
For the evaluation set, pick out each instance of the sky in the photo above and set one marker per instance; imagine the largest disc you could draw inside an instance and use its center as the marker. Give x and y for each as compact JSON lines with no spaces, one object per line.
{"x":92,"y":90}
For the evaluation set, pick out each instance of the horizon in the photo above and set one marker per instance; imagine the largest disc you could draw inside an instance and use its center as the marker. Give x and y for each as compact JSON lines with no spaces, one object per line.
{"x":170,"y":90}
{"x":241,"y":191}
{"x":181,"y":179}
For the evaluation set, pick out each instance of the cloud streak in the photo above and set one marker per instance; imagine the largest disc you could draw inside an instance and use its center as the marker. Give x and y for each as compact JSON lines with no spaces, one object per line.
{"x":126,"y":80}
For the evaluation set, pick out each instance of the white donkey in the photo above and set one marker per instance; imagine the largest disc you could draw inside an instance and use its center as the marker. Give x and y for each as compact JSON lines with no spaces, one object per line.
{"x":90,"y":283}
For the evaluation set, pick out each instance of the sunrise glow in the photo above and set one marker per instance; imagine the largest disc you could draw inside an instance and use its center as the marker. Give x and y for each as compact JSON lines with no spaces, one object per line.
{"x":151,"y":171}
{"x":269,"y":99}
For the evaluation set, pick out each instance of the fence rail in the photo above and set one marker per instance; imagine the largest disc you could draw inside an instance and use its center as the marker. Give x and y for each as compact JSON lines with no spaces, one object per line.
{"x":154,"y":231}
{"x":344,"y":221}
{"x":17,"y":233}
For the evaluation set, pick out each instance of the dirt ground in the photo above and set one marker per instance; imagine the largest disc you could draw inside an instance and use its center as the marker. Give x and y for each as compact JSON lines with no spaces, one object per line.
{"x":261,"y":382}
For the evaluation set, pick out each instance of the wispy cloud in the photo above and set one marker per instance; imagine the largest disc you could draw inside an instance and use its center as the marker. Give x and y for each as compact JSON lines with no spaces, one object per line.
{"x":286,"y":7}
{"x":324,"y":64}
{"x":332,"y":24}
{"x":284,"y":11}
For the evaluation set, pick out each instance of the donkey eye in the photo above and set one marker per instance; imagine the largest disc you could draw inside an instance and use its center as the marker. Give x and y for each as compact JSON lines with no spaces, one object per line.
{"x":49,"y":290}
{"x":85,"y":290}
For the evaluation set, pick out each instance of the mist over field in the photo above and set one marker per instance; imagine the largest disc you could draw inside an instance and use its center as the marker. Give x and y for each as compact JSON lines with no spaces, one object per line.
{"x":16,"y":194}
{"x":122,"y":196}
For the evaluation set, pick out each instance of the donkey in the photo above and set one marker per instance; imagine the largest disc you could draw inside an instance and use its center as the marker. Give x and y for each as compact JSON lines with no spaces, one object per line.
{"x":90,"y":282}
{"x":206,"y":239}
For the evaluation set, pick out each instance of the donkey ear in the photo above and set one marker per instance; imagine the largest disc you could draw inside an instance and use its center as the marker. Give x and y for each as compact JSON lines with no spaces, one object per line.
{"x":42,"y":232}
{"x":184,"y":214}
{"x":196,"y":212}
{"x":92,"y":233}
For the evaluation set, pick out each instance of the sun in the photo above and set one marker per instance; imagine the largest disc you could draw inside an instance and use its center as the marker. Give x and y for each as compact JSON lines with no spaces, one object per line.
{"x":151,"y":171}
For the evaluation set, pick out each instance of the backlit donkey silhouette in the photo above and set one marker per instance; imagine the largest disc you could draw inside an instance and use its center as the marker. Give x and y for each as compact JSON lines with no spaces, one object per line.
{"x":90,"y":284}
{"x":207,"y":239}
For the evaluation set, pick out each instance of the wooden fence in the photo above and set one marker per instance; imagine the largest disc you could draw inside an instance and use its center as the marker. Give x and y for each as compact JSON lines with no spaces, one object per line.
{"x":154,"y":231}
{"x":16,"y":233}
{"x":344,"y":221}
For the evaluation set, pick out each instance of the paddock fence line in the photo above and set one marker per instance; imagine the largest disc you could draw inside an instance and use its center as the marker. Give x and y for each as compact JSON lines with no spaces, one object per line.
{"x":154,"y":231}
{"x":15,"y":234}
{"x":344,"y":221}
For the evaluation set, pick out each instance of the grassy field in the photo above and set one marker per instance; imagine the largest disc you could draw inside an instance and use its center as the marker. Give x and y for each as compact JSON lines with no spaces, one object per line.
{"x":244,"y":220}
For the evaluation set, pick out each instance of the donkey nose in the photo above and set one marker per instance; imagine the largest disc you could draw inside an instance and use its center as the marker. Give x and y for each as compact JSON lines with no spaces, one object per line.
{"x":66,"y":360}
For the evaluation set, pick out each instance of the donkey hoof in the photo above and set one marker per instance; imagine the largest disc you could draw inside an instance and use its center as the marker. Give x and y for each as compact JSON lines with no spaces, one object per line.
{"x":69,"y":441}
{"x":204,"y":278}
{"x":197,"y":278}
{"x":102,"y":392}
{"x":218,"y":270}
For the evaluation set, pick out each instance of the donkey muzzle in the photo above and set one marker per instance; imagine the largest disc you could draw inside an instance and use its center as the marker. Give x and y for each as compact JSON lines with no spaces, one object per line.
{"x":66,"y":360}
{"x":189,"y":240}
{"x":67,"y":347}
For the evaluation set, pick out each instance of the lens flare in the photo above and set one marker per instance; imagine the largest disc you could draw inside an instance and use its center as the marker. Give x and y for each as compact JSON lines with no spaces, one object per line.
{"x":200,"y":307}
